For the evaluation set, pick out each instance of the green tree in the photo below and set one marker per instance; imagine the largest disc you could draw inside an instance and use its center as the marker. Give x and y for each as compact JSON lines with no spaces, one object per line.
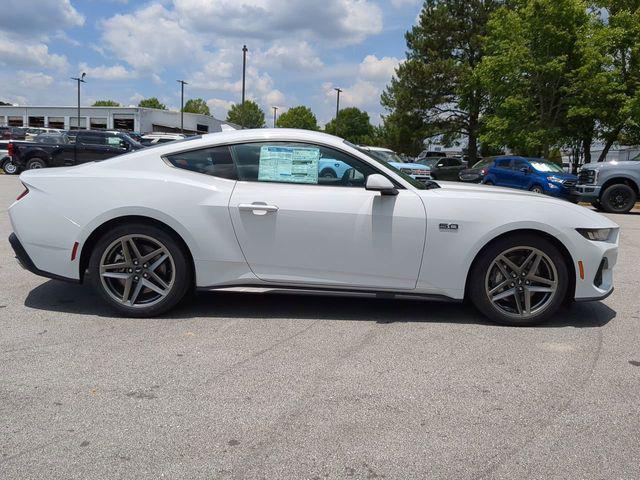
{"x":251,"y":116}
{"x":4,"y":103}
{"x":152,"y":102}
{"x":298,"y":117}
{"x":436,"y":91}
{"x":196,"y":105}
{"x":613,"y":72}
{"x":532,"y":54}
{"x":352,"y":124}
{"x":105,"y":103}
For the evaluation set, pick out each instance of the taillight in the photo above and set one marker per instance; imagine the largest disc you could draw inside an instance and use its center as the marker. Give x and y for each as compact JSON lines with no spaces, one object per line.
{"x":10,"y":149}
{"x":26,"y":190}
{"x":483,"y":171}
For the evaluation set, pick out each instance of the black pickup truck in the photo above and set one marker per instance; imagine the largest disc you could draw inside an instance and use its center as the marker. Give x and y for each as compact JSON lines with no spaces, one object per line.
{"x":89,"y":146}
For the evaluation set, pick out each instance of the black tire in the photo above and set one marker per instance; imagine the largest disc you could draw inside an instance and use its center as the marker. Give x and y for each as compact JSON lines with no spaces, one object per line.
{"x":597,"y":205}
{"x":537,"y":189}
{"x":618,"y":198}
{"x":488,"y":182}
{"x":328,"y":173}
{"x":181,"y":268}
{"x":35,"y":163}
{"x":10,"y":168}
{"x":479,"y":275}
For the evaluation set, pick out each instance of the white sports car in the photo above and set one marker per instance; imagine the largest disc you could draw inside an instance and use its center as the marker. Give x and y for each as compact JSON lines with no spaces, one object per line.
{"x":249,"y":208}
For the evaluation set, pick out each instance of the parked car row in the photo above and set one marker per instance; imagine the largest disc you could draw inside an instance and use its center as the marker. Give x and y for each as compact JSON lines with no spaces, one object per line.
{"x":52,"y":148}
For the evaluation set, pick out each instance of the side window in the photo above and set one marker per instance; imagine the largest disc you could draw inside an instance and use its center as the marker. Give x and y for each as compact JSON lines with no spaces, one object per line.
{"x":504,"y":163}
{"x":90,"y":139}
{"x":518,"y":164}
{"x":115,"y":141}
{"x":298,"y":163}
{"x":214,"y":161}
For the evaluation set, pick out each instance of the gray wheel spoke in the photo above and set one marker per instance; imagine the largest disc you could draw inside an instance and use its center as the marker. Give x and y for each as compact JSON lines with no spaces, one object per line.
{"x":158,"y":262}
{"x":127,"y":289}
{"x":125,"y":252}
{"x":136,"y":292}
{"x":535,"y":289}
{"x":518,"y":304}
{"x":501,"y":286}
{"x":114,"y":266}
{"x":150,"y":256}
{"x":118,"y":275}
{"x":527,"y":301}
{"x":531,"y":256}
{"x":506,"y":294}
{"x":544,"y":281}
{"x":154,"y":287}
{"x":136,"y":253}
{"x":512,"y":266}
{"x":154,"y":276}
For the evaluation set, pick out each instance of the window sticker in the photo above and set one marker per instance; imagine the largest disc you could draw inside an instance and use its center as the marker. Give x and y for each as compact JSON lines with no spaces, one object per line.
{"x":288,"y":164}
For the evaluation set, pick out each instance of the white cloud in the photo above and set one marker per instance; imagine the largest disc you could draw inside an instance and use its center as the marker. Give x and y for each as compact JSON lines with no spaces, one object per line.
{"x":403,"y":3}
{"x":290,"y":55}
{"x":19,"y":53}
{"x":102,"y":72}
{"x":36,"y":18}
{"x":37,"y":80}
{"x":150,"y":38}
{"x":383,"y":68}
{"x":219,"y":107}
{"x":336,"y":21}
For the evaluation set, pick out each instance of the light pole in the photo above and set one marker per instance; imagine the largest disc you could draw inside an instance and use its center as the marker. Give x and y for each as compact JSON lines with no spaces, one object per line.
{"x":79,"y":80}
{"x":338,"y":101}
{"x":182,"y":84}
{"x":275,"y":116}
{"x":244,"y":70}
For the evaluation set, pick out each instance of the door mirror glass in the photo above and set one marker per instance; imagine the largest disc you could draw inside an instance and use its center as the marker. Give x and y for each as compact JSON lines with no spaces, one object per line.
{"x":380,"y":183}
{"x":525,"y":170}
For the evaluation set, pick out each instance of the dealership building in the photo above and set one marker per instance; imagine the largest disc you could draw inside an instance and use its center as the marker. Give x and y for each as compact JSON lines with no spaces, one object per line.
{"x":133,"y":119}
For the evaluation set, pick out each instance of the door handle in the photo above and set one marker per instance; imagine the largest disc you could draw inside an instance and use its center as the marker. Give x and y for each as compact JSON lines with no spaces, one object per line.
{"x":257,"y":208}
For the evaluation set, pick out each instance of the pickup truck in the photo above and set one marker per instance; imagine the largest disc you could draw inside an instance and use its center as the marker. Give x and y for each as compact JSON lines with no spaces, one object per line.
{"x":613,"y":187}
{"x":89,"y":146}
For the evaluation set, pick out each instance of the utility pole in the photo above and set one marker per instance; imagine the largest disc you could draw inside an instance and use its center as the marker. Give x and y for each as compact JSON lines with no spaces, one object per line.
{"x":275,"y":116}
{"x":80,"y":80}
{"x":182,"y":84}
{"x":244,"y":71}
{"x":338,"y":102}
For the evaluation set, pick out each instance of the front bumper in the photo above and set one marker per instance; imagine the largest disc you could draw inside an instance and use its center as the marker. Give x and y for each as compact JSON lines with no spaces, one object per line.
{"x":587,"y":193}
{"x":25,"y":261}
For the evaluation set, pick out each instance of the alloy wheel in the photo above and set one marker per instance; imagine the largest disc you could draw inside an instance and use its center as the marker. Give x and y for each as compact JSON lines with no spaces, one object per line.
{"x":10,"y":168}
{"x":521,"y":282}
{"x":137,"y":271}
{"x":620,"y":199}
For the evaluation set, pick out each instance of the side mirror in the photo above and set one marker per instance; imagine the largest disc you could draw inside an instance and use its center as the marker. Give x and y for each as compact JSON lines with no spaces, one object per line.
{"x":380,"y":183}
{"x":525,"y":170}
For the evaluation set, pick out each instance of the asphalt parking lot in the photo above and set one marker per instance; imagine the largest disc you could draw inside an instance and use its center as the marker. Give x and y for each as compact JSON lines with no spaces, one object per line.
{"x":278,"y":386}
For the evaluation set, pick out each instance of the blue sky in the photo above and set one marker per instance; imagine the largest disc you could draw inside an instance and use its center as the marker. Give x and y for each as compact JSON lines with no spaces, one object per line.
{"x":299,"y":50}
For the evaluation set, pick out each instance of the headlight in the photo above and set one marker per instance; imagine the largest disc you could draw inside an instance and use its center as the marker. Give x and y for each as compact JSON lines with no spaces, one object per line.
{"x":553,"y":178}
{"x":595,"y":234}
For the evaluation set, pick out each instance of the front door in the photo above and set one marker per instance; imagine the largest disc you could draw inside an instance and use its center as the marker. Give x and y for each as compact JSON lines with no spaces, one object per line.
{"x":297,"y":227}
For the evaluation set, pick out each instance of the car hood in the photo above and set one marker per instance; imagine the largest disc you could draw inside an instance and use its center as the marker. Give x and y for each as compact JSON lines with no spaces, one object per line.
{"x":612,"y":164}
{"x":563,"y":176}
{"x":485,"y":197}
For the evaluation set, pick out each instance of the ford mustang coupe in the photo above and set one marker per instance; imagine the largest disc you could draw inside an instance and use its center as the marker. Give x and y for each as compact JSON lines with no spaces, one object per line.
{"x":249,"y":208}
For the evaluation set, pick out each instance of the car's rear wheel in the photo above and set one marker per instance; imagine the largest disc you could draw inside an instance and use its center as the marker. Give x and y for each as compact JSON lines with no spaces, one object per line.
{"x":35,"y":163}
{"x":140,"y":270}
{"x":618,"y":198}
{"x":9,"y":167}
{"x":328,"y":173}
{"x":488,"y":182}
{"x":519,"y":280}
{"x":537,"y":189}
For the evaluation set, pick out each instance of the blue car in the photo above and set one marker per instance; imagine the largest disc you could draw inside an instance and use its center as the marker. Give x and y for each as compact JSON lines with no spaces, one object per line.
{"x":532,"y":174}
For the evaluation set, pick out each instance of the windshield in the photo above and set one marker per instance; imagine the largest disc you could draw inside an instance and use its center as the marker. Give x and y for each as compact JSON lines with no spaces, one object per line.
{"x":636,"y":158}
{"x":482,"y":164}
{"x":415,"y":183}
{"x":429,"y":162}
{"x":385,"y":156}
{"x":546,"y":166}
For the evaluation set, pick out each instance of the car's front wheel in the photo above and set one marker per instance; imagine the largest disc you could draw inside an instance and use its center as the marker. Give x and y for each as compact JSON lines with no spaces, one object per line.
{"x":519,"y":280}
{"x":537,"y":189}
{"x":140,"y":270}
{"x":618,"y":198}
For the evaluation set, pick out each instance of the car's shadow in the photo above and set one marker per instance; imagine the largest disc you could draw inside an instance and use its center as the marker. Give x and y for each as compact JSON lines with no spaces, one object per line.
{"x":80,"y":299}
